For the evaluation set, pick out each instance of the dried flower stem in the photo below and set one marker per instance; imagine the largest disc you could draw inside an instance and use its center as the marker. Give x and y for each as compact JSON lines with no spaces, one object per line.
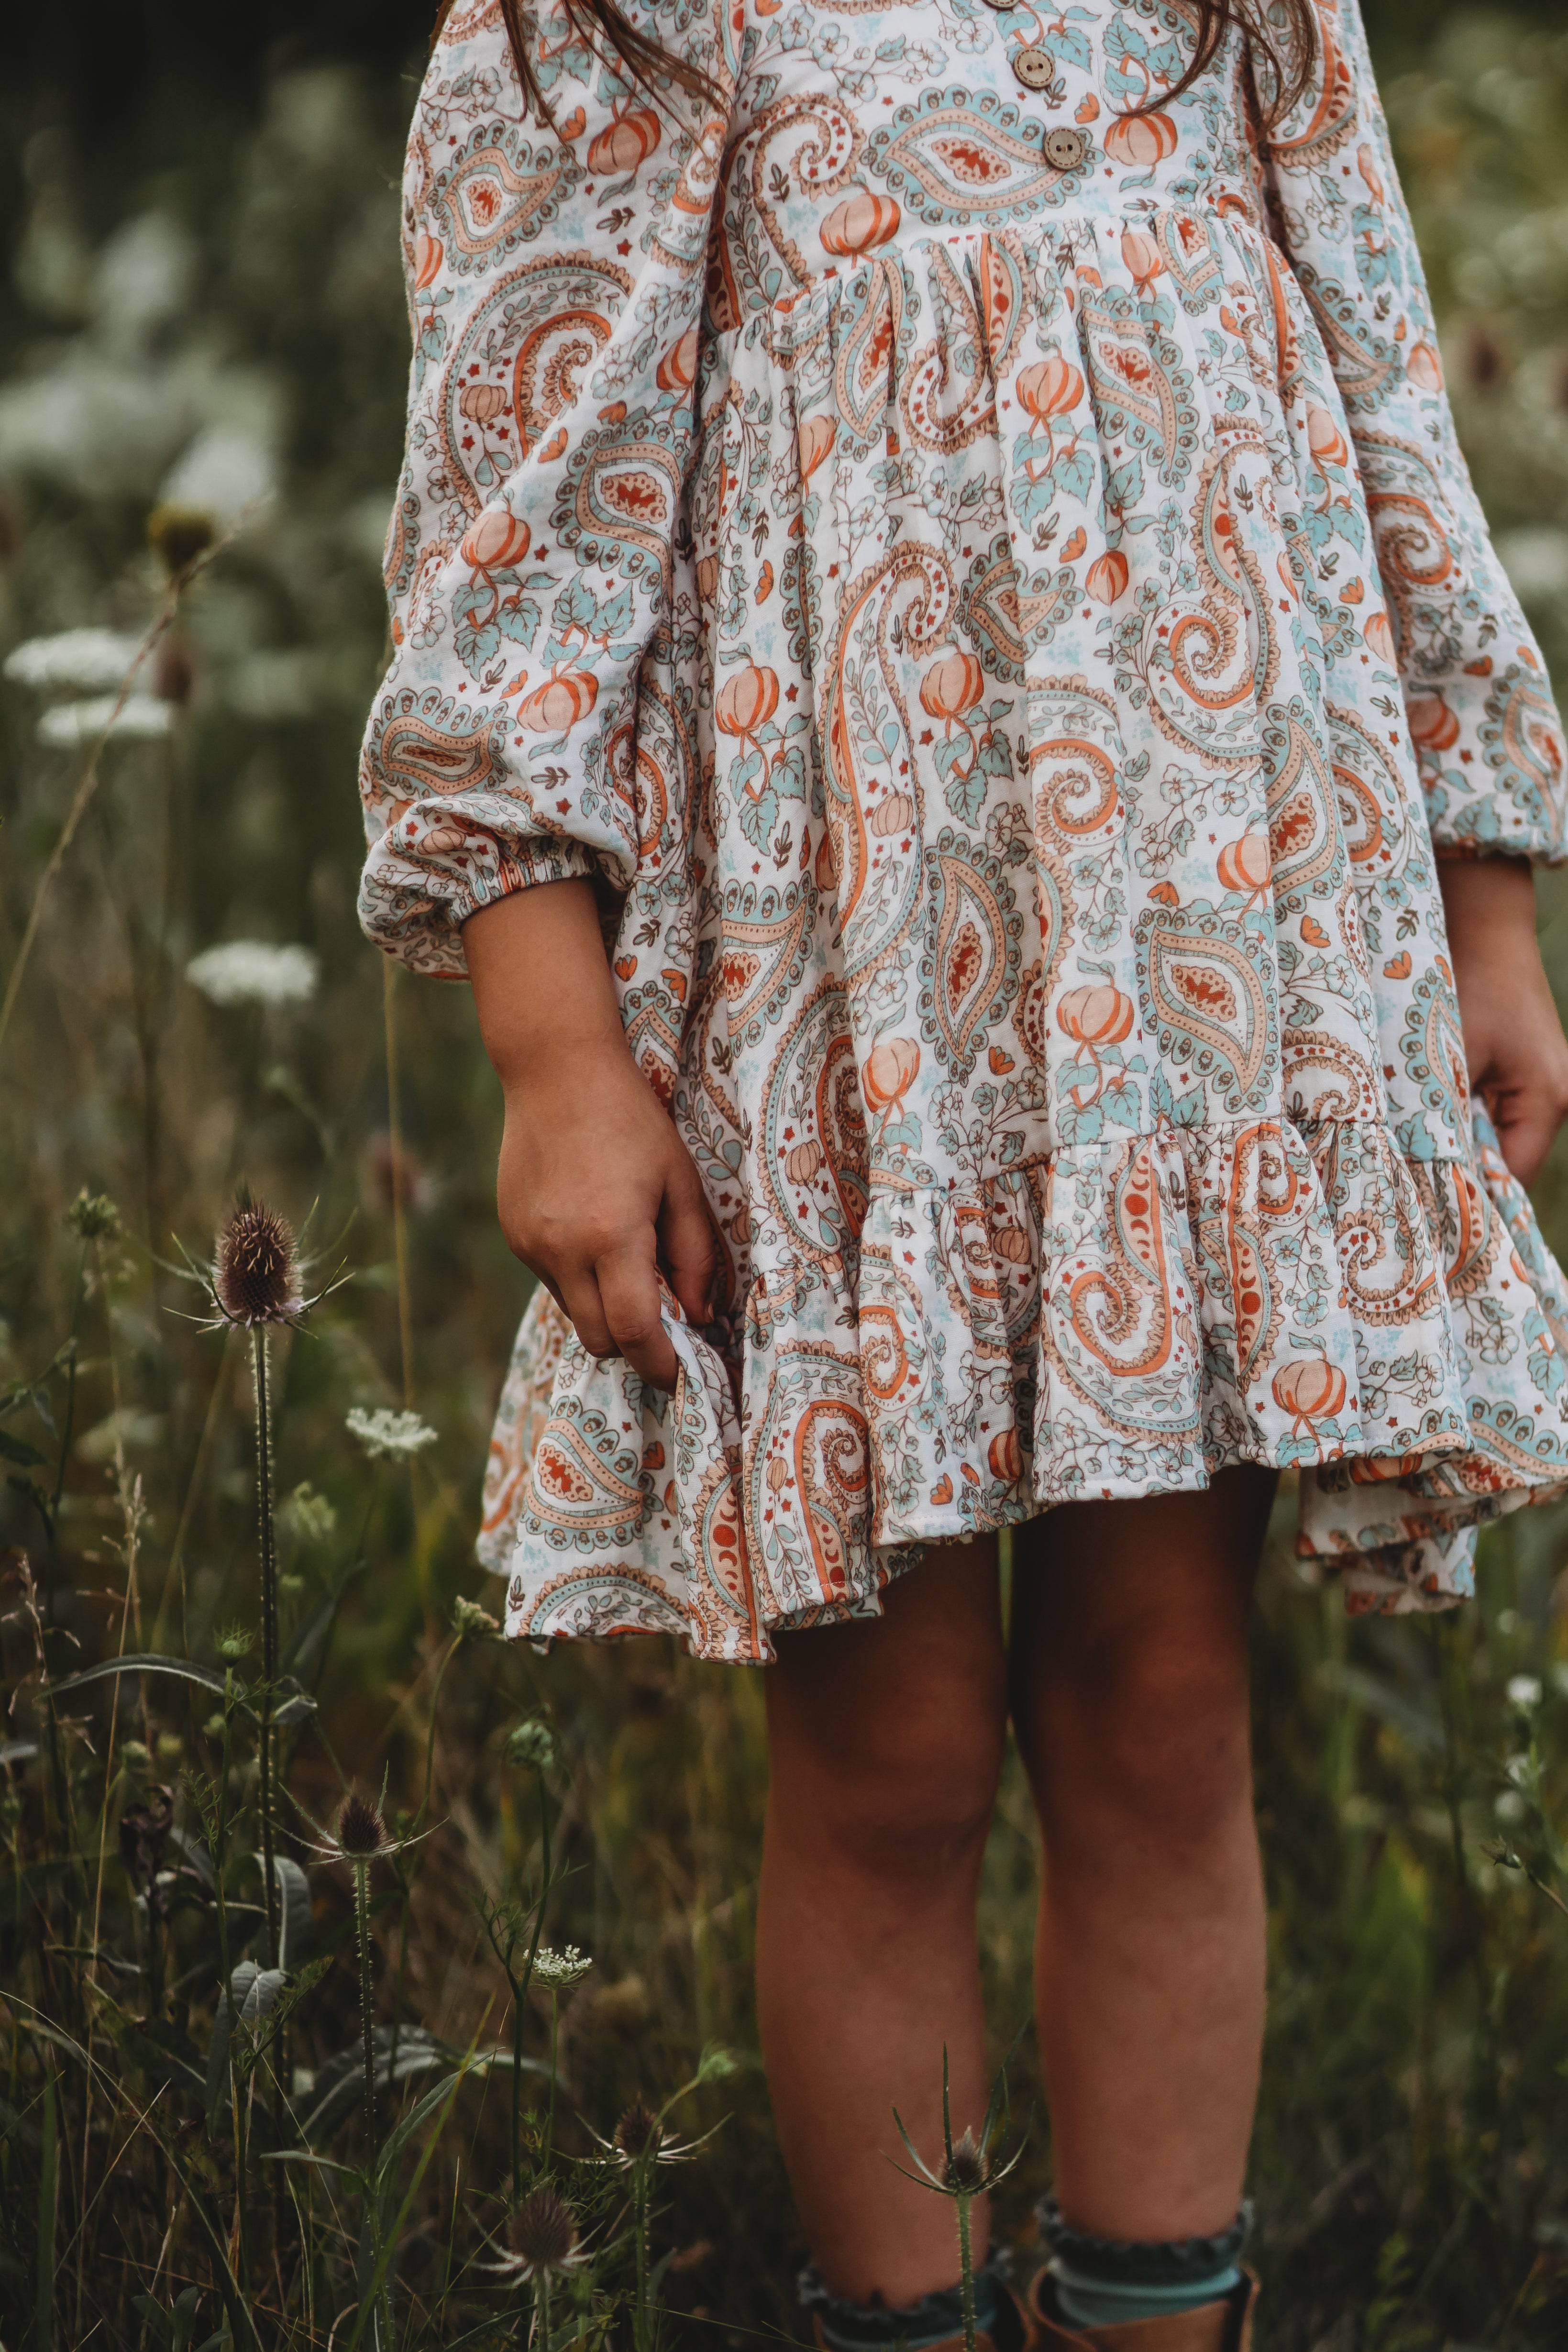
{"x":268,"y":1544}
{"x":966,"y":2271}
{"x":360,"y":1863}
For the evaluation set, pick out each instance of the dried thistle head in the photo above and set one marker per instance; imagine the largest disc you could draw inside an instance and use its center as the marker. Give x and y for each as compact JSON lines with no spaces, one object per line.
{"x":966,"y":2169}
{"x":638,"y":2132}
{"x":255,"y":1269}
{"x":543,"y":2233}
{"x":362,"y":1833}
{"x":92,"y":1216}
{"x":177,"y":535}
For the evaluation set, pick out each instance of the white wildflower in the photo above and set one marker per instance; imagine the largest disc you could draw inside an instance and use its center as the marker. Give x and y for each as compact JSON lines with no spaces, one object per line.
{"x":253,"y":972}
{"x":1523,"y":1692}
{"x":69,"y":724}
{"x":75,"y":661}
{"x":562,"y":1968}
{"x":383,"y":1431}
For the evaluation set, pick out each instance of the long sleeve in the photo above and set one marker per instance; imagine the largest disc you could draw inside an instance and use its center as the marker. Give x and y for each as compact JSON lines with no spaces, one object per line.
{"x":1477,"y":697}
{"x":554,"y":287}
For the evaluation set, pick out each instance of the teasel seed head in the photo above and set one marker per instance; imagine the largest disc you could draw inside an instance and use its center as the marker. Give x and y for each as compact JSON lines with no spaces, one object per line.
{"x":256,"y":1272}
{"x":638,"y":2131}
{"x":964,"y":2172}
{"x":544,"y":2231}
{"x":177,"y":535}
{"x":362,"y":1833}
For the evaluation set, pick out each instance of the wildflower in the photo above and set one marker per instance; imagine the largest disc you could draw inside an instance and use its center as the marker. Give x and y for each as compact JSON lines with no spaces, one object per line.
{"x":253,"y":971}
{"x":361,"y":1830}
{"x":641,"y":2136}
{"x":141,"y":715}
{"x":308,"y":1517}
{"x":968,"y":2170}
{"x":135,"y":1755}
{"x":1523,"y":1692}
{"x":543,"y":2235}
{"x":361,"y":1836}
{"x":561,"y":1970}
{"x":383,"y":1431}
{"x":638,"y":2132}
{"x":255,"y":1269}
{"x":83,"y":661}
{"x":92,"y":1216}
{"x":531,"y":1742}
{"x":178,"y":534}
{"x":235,"y":1644}
{"x":471,"y":1623}
{"x":964,"y":2172}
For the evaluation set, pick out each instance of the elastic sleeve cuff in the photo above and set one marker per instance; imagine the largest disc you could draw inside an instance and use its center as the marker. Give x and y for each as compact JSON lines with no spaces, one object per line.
{"x":415,"y":910}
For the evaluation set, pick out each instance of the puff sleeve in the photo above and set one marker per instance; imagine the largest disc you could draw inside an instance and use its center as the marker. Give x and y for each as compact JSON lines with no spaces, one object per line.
{"x":1477,"y":697}
{"x":554,"y":286}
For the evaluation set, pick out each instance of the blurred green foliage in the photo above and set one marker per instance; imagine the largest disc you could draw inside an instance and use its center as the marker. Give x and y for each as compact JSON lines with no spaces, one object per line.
{"x":206,"y":310}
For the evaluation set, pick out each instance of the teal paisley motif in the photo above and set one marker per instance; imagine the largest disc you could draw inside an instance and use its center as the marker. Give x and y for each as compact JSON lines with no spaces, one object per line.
{"x":961,"y":158}
{"x":1207,"y":997}
{"x":969,"y":969}
{"x":1141,"y":389}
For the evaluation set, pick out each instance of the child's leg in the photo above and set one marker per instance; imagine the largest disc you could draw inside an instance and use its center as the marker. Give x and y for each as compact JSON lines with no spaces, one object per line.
{"x":1129,"y":1681}
{"x":885,"y":1742}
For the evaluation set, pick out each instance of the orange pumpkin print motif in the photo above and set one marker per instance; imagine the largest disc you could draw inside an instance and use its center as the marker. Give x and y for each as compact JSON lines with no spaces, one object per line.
{"x":987,"y":587}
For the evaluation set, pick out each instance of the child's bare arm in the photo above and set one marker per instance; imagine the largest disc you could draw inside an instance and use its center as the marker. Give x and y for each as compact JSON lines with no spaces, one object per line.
{"x":1513,"y":1039}
{"x":594,"y":1189}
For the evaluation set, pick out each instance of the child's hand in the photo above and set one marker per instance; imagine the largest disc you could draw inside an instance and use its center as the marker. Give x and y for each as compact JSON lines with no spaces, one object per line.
{"x":596,"y":1192}
{"x":1513,"y":1039}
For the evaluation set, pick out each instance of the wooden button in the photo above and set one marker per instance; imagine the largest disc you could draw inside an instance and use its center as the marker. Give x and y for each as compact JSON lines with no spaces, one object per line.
{"x":1064,"y":147}
{"x":1035,"y":67}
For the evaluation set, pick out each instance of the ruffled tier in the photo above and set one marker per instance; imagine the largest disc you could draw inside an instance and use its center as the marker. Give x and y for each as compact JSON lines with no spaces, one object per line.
{"x":1125,"y":1318}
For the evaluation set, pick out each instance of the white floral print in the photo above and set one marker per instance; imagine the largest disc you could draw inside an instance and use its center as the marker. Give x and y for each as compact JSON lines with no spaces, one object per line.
{"x":985,"y":582}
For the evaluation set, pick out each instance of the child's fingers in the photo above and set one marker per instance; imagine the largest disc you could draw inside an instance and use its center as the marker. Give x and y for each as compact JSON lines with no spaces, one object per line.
{"x":686,"y":1240}
{"x":628,"y":1293}
{"x":1526,"y":1117}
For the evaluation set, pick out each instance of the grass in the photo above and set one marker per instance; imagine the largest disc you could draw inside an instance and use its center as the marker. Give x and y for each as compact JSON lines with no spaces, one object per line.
{"x":344,"y":2123}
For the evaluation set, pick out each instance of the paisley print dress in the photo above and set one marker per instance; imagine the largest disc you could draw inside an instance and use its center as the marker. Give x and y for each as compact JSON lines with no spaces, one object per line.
{"x":985,"y":581}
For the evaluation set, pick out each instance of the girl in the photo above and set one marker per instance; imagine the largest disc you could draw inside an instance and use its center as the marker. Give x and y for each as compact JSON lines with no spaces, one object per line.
{"x":951,"y":698}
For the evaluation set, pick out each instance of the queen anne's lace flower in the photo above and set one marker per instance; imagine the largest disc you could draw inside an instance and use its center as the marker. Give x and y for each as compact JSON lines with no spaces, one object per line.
{"x":76,"y":661}
{"x":141,"y":718}
{"x":253,"y":972}
{"x":384,"y":1432}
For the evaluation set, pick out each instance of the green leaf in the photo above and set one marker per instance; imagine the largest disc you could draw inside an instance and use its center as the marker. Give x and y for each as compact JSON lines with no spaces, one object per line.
{"x":145,"y":1662}
{"x":256,"y":1992}
{"x":16,"y":1449}
{"x":297,"y":1931}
